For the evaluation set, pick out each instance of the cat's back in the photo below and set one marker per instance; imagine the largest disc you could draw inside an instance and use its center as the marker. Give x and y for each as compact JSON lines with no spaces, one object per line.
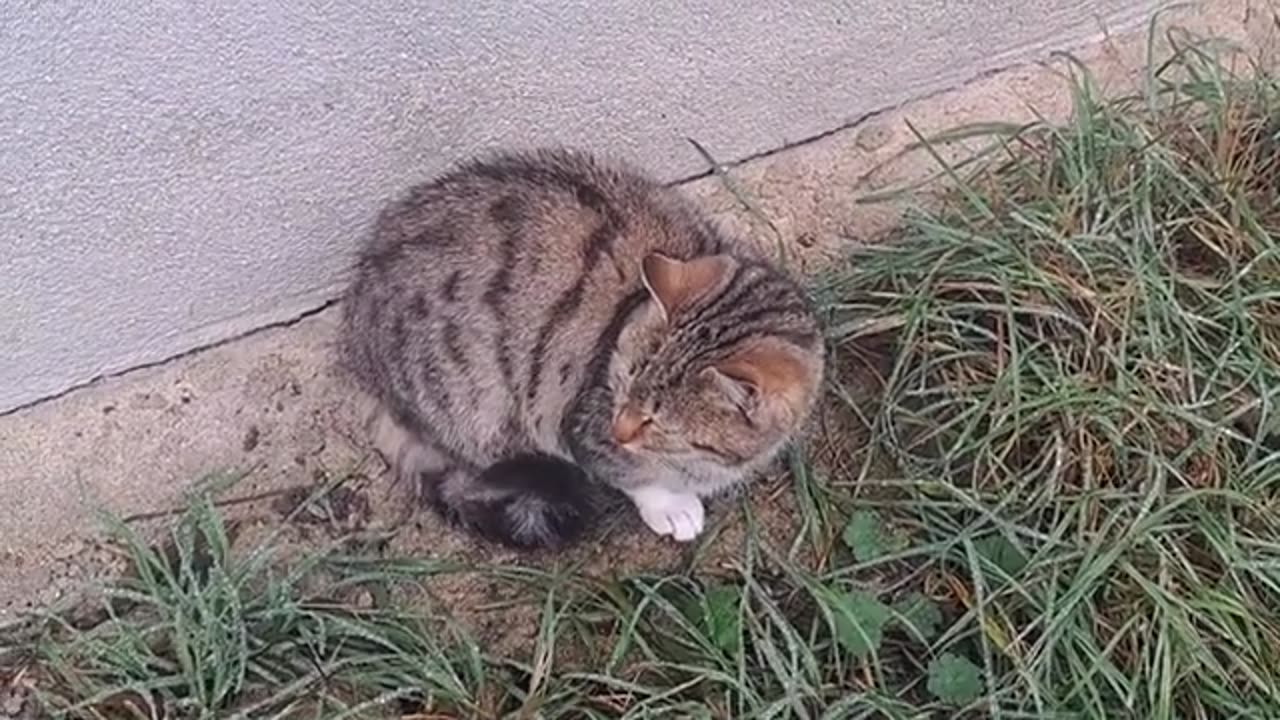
{"x":537,"y":207}
{"x":515,"y":235}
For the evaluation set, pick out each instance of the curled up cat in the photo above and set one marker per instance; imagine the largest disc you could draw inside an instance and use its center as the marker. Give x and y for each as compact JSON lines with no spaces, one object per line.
{"x":535,"y":330}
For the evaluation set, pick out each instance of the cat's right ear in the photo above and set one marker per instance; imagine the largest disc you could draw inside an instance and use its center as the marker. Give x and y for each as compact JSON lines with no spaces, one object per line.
{"x":677,"y":284}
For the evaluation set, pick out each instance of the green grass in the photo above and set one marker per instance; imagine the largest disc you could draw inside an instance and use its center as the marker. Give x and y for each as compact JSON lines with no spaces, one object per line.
{"x":194,"y":630}
{"x":1083,"y":400}
{"x":1065,"y":505}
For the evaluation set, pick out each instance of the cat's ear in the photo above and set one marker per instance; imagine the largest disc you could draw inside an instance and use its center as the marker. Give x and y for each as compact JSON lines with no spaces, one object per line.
{"x":677,"y":284}
{"x":768,"y":368}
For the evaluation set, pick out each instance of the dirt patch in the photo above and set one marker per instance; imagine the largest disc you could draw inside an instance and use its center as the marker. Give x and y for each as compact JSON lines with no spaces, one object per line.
{"x":367,"y":512}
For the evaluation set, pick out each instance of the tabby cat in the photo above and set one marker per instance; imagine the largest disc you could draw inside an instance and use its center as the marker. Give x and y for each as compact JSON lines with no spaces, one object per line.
{"x":535,"y":328}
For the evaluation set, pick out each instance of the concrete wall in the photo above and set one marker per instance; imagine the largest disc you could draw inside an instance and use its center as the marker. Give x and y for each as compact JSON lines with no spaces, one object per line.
{"x":175,"y":172}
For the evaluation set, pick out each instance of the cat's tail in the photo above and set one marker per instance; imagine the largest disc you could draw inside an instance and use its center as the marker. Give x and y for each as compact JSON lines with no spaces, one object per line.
{"x":532,"y":500}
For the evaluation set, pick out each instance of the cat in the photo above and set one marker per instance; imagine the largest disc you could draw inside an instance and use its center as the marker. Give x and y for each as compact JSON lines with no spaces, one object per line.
{"x":532,"y":329}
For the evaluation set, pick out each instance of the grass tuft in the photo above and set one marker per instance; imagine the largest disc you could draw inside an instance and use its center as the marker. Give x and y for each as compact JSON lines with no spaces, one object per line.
{"x":1084,"y":398}
{"x":195,"y":631}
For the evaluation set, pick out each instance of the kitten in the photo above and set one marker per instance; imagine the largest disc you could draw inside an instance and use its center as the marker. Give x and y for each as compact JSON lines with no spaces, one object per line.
{"x":532,"y":328}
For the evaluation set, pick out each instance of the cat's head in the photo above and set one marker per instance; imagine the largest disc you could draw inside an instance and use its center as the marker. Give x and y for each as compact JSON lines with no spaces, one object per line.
{"x":722,"y":366}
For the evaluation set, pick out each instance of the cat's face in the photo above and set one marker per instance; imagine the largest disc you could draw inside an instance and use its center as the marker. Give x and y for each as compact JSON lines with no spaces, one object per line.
{"x":702,"y":379}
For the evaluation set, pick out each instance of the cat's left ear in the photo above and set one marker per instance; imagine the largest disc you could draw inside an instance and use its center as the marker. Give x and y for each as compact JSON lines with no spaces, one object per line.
{"x":769,"y":369}
{"x":678,"y":284}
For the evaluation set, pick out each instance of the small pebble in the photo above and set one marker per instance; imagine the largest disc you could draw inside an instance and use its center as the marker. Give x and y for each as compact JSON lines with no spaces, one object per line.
{"x":251,"y":438}
{"x":873,"y":137}
{"x":67,"y":549}
{"x":11,"y":702}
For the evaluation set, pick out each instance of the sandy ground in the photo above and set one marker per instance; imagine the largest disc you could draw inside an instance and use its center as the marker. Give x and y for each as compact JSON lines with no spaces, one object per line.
{"x":270,"y":404}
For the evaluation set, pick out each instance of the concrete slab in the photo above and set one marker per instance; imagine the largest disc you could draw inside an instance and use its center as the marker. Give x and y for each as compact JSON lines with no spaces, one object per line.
{"x":272,"y":404}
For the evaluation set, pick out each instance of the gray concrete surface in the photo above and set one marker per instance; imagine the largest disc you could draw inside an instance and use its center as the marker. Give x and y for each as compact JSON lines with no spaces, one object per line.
{"x":176,"y":173}
{"x":271,"y":403}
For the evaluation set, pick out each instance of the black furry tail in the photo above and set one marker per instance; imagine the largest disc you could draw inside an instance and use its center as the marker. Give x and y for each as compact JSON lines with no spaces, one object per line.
{"x":528,"y":501}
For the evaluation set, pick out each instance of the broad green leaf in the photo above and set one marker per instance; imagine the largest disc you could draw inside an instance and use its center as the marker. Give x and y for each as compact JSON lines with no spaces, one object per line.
{"x":864,"y":535}
{"x":718,"y":615}
{"x":954,"y":679}
{"x":1003,"y":554}
{"x":859,"y":621}
{"x":920,"y":615}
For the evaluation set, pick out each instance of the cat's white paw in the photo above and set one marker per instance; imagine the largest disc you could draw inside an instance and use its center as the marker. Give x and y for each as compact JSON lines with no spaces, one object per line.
{"x":679,"y":515}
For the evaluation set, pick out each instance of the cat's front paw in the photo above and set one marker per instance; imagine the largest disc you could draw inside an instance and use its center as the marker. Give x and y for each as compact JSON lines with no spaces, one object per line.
{"x":679,"y":515}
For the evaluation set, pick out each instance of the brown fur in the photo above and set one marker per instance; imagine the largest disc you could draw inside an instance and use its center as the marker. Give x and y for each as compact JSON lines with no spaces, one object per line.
{"x":572,"y":315}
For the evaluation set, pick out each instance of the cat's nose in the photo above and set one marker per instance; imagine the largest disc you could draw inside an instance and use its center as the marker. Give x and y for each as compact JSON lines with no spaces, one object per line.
{"x":627,"y":425}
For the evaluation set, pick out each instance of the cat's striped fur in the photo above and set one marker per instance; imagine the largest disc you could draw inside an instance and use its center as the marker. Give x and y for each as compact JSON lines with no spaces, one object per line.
{"x":534,"y":327}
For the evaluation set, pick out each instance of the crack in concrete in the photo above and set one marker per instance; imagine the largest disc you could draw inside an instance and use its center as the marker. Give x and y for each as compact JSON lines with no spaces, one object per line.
{"x":286,"y":322}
